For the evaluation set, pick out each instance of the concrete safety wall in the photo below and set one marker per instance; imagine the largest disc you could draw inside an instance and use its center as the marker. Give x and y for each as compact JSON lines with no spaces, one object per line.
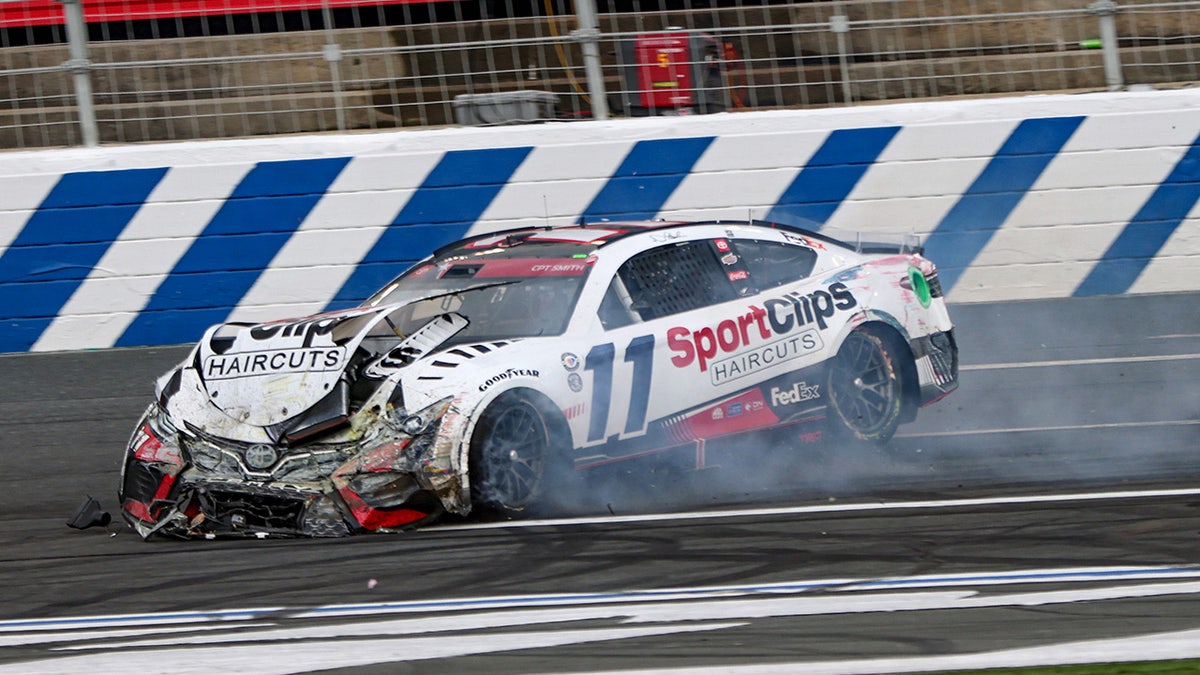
{"x":1039,"y":196}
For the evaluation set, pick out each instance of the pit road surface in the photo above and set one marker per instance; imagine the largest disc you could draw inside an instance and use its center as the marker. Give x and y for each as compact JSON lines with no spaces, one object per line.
{"x":1048,"y":511}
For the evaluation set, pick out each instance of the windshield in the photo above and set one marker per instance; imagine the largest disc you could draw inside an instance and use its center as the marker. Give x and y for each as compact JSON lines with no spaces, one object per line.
{"x":503,"y":296}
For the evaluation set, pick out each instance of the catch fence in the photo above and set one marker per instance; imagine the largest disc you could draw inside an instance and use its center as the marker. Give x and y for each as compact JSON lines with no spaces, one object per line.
{"x":104,"y":71}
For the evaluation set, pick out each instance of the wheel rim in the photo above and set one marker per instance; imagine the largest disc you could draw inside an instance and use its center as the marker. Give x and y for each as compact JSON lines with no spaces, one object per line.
{"x":864,"y":384}
{"x":513,"y":456}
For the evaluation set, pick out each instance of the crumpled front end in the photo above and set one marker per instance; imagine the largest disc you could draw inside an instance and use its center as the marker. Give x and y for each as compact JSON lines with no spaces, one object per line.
{"x":388,"y":470}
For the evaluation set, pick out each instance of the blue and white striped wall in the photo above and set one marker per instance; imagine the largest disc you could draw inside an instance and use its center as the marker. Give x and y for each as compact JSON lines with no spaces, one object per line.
{"x":1042,"y":196}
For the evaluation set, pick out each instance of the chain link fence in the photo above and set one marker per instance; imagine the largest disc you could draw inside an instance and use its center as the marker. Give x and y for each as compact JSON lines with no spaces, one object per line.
{"x":146,"y":70}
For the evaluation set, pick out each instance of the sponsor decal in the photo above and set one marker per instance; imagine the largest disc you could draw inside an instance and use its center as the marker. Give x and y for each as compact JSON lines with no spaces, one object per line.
{"x":809,"y":438}
{"x":777,"y":317}
{"x":570,"y":361}
{"x":739,"y":275}
{"x":765,"y":356}
{"x":795,"y":309}
{"x":385,"y":365}
{"x":795,"y":238}
{"x":800,"y":392}
{"x":309,"y":328}
{"x":803,"y":241}
{"x":561,"y":268}
{"x":508,"y":375}
{"x":575,"y":382}
{"x":273,"y":362}
{"x":722,"y":245}
{"x":744,"y":411}
{"x":524,"y":267}
{"x":729,"y":259}
{"x":729,"y":335}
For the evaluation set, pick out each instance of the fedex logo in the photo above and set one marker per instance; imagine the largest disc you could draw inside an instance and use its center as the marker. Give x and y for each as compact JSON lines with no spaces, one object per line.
{"x":800,"y":392}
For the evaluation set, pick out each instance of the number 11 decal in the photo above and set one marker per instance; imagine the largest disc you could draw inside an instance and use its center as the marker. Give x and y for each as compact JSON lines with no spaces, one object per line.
{"x":640,"y":353}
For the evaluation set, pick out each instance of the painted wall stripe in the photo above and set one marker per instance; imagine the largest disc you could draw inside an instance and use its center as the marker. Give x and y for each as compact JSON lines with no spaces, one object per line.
{"x":646,"y":178}
{"x":757,"y":168}
{"x":970,"y":224}
{"x":830,"y":175}
{"x":553,"y":185}
{"x":1144,"y":236}
{"x":347,"y":222}
{"x":63,"y":240}
{"x":236,"y":245}
{"x":449,"y":201}
{"x":801,"y":163}
{"x":124,"y":280}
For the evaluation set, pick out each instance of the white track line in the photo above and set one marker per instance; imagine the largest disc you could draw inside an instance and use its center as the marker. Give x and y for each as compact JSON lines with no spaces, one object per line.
{"x":1073,"y":427}
{"x":1082,"y":362}
{"x":821,"y":508}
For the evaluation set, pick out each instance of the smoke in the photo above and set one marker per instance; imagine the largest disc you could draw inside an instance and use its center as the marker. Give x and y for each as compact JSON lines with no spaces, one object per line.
{"x":1055,"y":395}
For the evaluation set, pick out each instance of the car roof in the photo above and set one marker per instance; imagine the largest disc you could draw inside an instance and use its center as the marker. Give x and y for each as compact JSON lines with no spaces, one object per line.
{"x":590,"y":236}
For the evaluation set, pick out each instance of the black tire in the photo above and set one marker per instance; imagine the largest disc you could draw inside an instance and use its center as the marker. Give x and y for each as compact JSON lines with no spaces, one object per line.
{"x":866,"y":388}
{"x":511,"y":452}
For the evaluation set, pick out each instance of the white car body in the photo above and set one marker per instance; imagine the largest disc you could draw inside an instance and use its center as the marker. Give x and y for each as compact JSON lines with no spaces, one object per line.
{"x":603,"y":391}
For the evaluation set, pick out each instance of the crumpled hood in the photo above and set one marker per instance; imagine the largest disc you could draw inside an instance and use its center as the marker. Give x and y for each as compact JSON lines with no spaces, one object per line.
{"x":267,"y":373}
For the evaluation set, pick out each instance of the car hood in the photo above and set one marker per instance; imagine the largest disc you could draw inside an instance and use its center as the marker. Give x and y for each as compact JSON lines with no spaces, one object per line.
{"x":271,"y":374}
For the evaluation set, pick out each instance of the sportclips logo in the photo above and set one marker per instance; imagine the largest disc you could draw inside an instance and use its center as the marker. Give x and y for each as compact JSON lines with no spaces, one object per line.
{"x":763,"y":336}
{"x":273,"y":362}
{"x":303,"y":357}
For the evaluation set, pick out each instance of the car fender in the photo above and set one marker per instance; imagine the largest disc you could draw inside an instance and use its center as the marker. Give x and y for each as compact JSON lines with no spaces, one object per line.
{"x":463,"y":418}
{"x":473,"y":387}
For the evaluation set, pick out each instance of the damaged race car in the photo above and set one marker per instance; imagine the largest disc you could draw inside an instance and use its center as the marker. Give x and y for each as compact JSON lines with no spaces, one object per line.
{"x":475,"y":376}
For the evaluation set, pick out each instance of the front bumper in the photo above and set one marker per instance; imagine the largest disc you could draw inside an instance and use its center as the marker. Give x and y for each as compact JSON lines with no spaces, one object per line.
{"x":197,"y":506}
{"x":187,"y":483}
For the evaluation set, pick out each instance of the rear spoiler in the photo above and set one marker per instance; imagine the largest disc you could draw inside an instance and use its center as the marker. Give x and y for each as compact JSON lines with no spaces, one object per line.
{"x":886,"y":248}
{"x":907,"y":243}
{"x":902,"y":243}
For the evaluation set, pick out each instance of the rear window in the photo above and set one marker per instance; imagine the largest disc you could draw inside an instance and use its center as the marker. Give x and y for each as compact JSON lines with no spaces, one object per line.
{"x":774,"y":263}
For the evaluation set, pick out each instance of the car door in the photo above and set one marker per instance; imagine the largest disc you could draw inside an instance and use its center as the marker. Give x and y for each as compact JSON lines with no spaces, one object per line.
{"x":701,"y":338}
{"x":635,"y":376}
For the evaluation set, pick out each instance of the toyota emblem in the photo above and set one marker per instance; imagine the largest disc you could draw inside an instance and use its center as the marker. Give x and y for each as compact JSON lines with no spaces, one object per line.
{"x":261,"y":456}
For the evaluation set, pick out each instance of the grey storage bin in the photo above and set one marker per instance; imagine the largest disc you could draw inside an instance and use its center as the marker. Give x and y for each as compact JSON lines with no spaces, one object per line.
{"x":505,"y":107}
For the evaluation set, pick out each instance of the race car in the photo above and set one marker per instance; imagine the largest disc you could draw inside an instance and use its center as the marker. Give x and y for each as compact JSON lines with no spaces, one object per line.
{"x":481,"y":373}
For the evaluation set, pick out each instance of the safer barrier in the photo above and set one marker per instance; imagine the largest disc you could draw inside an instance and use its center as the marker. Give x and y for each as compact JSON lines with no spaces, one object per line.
{"x":1043,"y":196}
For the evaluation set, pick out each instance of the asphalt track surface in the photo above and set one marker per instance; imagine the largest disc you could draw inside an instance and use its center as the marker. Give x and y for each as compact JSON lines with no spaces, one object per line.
{"x":1047,"y":512}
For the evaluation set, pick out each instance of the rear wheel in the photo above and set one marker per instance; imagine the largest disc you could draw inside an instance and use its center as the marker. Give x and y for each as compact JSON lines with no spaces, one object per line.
{"x":510,"y":454}
{"x":866,"y":387}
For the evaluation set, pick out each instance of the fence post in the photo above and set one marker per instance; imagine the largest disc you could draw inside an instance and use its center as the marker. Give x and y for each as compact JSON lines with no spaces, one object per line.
{"x":332,"y":51}
{"x":588,"y":34}
{"x":839,"y":24}
{"x":1107,"y":11}
{"x":80,"y":68}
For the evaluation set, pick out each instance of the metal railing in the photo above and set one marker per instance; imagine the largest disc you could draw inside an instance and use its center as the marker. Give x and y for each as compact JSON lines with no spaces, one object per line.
{"x":676,"y":59}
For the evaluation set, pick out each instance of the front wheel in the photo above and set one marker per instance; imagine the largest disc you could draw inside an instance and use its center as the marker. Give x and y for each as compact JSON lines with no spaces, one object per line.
{"x":866,"y":388}
{"x":510,"y":453}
